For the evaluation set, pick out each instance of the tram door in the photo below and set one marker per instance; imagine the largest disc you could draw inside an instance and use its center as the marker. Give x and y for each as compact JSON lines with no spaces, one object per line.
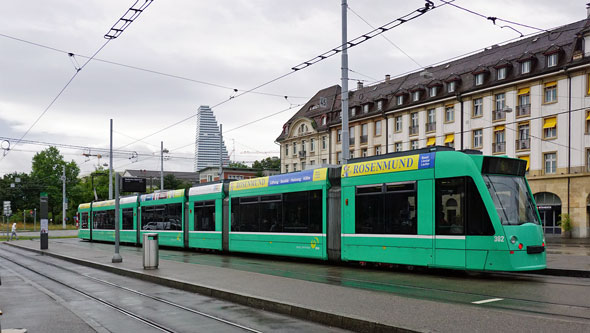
{"x":449,"y":225}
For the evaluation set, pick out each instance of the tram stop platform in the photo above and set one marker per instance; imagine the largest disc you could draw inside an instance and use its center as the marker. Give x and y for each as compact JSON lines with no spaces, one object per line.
{"x":350,"y":297}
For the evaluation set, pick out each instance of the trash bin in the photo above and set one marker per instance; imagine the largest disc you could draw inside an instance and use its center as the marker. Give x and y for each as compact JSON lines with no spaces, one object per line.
{"x":150,"y":251}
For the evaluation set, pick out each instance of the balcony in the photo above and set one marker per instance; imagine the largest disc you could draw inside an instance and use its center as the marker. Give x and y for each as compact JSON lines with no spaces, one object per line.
{"x":351,"y":141}
{"x":498,"y":115}
{"x":431,"y":127}
{"x":302,"y":154}
{"x":413,"y":130}
{"x":499,"y":147}
{"x":523,"y":110}
{"x":364,"y":139}
{"x":523,"y":144}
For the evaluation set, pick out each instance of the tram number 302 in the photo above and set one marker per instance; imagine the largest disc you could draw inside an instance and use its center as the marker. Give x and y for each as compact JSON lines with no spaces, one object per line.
{"x":499,"y":239}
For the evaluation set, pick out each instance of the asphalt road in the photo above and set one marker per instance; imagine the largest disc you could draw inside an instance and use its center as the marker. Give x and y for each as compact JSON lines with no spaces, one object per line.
{"x":560,"y":297}
{"x":44,"y":294}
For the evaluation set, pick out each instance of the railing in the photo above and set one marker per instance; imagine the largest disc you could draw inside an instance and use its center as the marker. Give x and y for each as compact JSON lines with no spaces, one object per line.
{"x":431,"y":127}
{"x":413,"y":130}
{"x":351,"y":141}
{"x":523,"y":110}
{"x":523,"y":144}
{"x":498,"y":115}
{"x":499,"y":147}
{"x":302,"y":154}
{"x":364,"y":139}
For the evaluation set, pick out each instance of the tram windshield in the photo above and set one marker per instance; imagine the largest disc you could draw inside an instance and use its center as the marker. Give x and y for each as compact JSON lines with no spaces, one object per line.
{"x":512,"y":199}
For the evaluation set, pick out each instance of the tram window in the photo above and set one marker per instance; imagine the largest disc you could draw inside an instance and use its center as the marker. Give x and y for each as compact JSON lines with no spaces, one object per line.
{"x":478,"y":219}
{"x":104,"y":219}
{"x":271,"y":213}
{"x":205,"y":216}
{"x":127,"y":219}
{"x":386,"y":209}
{"x":302,"y":212}
{"x":235,"y":214}
{"x":249,"y":217}
{"x":450,"y":199}
{"x":162,"y":217}
{"x":84,"y":221}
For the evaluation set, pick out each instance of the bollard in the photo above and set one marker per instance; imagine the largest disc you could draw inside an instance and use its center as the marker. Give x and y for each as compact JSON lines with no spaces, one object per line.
{"x":150,"y":251}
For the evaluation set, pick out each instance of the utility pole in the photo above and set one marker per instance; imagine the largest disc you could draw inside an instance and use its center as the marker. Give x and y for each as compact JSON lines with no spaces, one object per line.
{"x":161,"y":165}
{"x":117,"y":257}
{"x":35,"y":220}
{"x":344,"y":94}
{"x":220,"y":153}
{"x":111,"y":165}
{"x":63,"y":192}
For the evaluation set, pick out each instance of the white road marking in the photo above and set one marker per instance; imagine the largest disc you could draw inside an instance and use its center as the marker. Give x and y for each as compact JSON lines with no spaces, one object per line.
{"x":488,"y":300}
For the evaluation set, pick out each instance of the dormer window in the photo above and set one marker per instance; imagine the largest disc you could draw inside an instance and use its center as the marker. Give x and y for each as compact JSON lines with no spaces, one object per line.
{"x":433,"y":91}
{"x":416,"y":96}
{"x":366,"y":108}
{"x":525,"y":67}
{"x":379,"y":105}
{"x":552,"y":60}
{"x":352,"y":112}
{"x":324,"y":120}
{"x":501,"y":73}
{"x":400,"y":99}
{"x":323,"y":102}
{"x":451,"y":86}
{"x":479,"y":79}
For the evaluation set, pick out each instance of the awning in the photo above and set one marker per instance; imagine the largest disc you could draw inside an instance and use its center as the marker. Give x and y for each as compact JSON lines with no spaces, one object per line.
{"x":450,"y":138}
{"x":550,"y":122}
{"x":431,"y":141}
{"x":550,"y":84}
{"x":499,"y":128}
{"x":524,"y":91}
{"x":588,"y":116}
{"x":527,"y":159}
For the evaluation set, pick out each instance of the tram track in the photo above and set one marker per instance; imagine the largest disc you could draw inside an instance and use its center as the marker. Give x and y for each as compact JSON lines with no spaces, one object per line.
{"x":128,"y":313}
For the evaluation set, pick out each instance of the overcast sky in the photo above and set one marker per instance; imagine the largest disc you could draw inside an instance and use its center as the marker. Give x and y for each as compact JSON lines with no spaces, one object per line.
{"x":235,"y":44}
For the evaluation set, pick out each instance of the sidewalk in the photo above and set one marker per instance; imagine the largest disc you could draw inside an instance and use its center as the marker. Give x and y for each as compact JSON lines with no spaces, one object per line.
{"x":568,"y":257}
{"x":337,"y":305}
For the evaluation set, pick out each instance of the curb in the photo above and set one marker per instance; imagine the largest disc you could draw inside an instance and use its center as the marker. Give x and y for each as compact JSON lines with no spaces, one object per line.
{"x":321,"y":317}
{"x":563,"y":272}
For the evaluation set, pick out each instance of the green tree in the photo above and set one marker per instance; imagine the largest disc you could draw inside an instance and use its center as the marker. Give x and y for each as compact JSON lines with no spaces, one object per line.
{"x":46,"y":173}
{"x":173,"y":183}
{"x":269,"y":163}
{"x":239,"y":165}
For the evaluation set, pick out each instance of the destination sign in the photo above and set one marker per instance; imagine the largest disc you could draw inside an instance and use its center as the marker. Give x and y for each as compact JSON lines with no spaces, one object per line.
{"x":395,"y":164}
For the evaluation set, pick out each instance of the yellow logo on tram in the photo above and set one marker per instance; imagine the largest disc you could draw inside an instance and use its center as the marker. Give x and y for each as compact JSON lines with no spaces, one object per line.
{"x":314,"y":242}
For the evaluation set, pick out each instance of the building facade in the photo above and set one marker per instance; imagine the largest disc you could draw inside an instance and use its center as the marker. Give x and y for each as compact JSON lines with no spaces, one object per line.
{"x":207,"y":152}
{"x":528,"y":99}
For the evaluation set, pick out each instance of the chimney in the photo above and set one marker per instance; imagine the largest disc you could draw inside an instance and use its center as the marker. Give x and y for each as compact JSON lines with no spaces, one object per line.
{"x":359,"y":85}
{"x":387,"y":77}
{"x":588,"y":10}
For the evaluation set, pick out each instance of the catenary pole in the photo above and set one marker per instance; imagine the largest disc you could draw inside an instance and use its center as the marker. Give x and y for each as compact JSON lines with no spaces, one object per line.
{"x":344,"y":94}
{"x":111,"y":165}
{"x":117,"y":257}
{"x":64,"y":204}
{"x":161,"y":165}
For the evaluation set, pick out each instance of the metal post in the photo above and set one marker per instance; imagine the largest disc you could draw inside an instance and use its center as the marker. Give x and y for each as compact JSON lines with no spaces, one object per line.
{"x":35,"y":220}
{"x":111,"y":165}
{"x":220,"y":153}
{"x":344,"y":94}
{"x":24,"y":219}
{"x":44,"y":221}
{"x":117,"y":257}
{"x":161,"y":165}
{"x":64,"y":204}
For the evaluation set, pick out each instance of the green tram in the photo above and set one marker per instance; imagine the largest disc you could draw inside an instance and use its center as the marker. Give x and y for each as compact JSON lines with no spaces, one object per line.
{"x":432,"y":207}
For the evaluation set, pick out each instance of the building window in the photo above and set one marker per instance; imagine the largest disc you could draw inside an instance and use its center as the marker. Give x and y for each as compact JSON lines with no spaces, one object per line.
{"x":552,"y":60}
{"x":324,"y":161}
{"x":587,"y":160}
{"x":339,"y":135}
{"x":414,"y":123}
{"x":478,"y":107}
{"x":286,"y":149}
{"x":303,"y":166}
{"x":286,"y":168}
{"x":351,"y":155}
{"x":550,"y":162}
{"x":400,"y":99}
{"x":414,"y":144}
{"x":398,"y":146}
{"x":431,"y":120}
{"x":587,"y":121}
{"x":364,"y":133}
{"x":416,"y":96}
{"x":550,"y":128}
{"x":312,"y":145}
{"x":364,"y":152}
{"x":479,"y":79}
{"x":398,"y":123}
{"x":352,"y":112}
{"x":323,"y":102}
{"x":523,"y":142}
{"x":377,"y":150}
{"x":312,"y":162}
{"x":303,"y":146}
{"x":526,"y":158}
{"x":339,"y":157}
{"x":351,"y":136}
{"x":499,"y":145}
{"x":366,"y":108}
{"x":450,"y":140}
{"x":294,"y":148}
{"x":209,"y":178}
{"x":449,"y":113}
{"x":294,"y":167}
{"x":500,"y":100}
{"x":324,"y":120}
{"x":431,"y":141}
{"x":378,"y":128}
{"x":324,"y":142}
{"x":478,"y":138}
{"x":550,"y":94}
{"x":525,"y":67}
{"x":524,"y":102}
{"x":502,"y":73}
{"x":433,"y":91}
{"x":451,"y":86}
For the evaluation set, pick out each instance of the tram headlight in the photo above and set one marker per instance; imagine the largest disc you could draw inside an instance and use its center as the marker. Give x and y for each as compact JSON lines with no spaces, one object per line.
{"x":513,"y":239}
